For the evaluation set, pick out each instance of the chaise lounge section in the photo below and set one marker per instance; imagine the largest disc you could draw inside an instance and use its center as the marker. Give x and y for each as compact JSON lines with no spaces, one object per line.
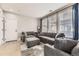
{"x":50,"y":37}
{"x":62,"y":47}
{"x":47,"y":38}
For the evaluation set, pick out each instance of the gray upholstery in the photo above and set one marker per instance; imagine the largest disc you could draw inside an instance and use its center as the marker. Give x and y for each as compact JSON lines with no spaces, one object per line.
{"x":65,"y":45}
{"x":75,"y":51}
{"x":48,"y":40}
{"x":50,"y":37}
{"x":51,"y":51}
{"x":31,"y":33}
{"x":62,"y":35}
{"x":30,"y":42}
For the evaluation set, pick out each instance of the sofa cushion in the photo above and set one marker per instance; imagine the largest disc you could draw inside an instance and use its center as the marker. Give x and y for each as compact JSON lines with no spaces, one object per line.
{"x":52,"y":39}
{"x":51,"y":51}
{"x":65,"y":45}
{"x":75,"y":51}
{"x":48,"y":34}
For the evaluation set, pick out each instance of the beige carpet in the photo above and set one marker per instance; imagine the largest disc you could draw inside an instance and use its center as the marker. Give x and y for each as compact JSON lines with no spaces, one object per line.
{"x":10,"y":49}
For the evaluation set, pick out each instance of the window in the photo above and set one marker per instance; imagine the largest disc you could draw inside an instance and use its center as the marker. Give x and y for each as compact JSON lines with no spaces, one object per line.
{"x":52,"y":24}
{"x":65,"y":22}
{"x":44,"y":25}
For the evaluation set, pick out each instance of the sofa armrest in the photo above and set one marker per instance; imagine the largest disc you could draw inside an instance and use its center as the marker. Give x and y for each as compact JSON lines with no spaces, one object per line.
{"x":75,"y":50}
{"x":51,"y":51}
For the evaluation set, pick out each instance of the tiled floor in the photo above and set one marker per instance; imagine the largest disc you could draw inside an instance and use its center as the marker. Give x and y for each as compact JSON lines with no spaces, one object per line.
{"x":10,"y":49}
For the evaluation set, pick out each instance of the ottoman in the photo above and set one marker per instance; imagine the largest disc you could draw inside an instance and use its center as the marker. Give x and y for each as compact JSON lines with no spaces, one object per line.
{"x":32,"y":41}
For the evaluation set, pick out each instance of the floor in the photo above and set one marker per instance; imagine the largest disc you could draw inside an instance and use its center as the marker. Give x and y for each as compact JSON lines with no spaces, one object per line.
{"x":37,"y":50}
{"x":10,"y":49}
{"x":17,"y":48}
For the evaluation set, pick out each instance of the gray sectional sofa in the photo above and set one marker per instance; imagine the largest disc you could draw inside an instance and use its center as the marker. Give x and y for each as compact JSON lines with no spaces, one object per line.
{"x":47,"y":38}
{"x":62,"y":47}
{"x":50,"y":37}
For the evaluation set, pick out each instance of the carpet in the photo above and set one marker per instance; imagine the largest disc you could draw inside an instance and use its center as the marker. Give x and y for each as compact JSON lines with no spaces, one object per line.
{"x":37,"y":50}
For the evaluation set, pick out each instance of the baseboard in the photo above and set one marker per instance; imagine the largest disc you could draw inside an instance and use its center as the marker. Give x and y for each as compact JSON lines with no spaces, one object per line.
{"x":3,"y":43}
{"x":11,"y":41}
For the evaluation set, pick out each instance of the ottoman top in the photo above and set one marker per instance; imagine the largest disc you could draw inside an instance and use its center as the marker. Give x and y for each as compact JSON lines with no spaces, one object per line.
{"x":31,"y":39}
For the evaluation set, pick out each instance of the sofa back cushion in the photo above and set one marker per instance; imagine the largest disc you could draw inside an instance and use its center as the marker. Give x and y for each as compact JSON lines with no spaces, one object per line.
{"x":75,"y":50}
{"x":65,"y":45}
{"x":32,"y":33}
{"x":52,"y":35}
{"x":29,"y":33}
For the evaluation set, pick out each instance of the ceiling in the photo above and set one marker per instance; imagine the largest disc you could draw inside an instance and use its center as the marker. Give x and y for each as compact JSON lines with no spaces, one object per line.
{"x":35,"y":10}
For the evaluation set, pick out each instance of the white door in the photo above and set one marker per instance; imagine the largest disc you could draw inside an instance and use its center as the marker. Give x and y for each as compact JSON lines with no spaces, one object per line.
{"x":1,"y":32}
{"x":10,"y":27}
{"x":1,"y":27}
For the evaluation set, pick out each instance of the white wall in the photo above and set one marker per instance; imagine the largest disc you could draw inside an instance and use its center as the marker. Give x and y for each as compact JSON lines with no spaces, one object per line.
{"x":26,"y":24}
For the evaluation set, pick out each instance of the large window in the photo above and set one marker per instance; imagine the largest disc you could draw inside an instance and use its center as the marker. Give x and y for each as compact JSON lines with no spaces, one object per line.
{"x":65,"y":22}
{"x":52,"y":24}
{"x":49,"y":24}
{"x":44,"y":25}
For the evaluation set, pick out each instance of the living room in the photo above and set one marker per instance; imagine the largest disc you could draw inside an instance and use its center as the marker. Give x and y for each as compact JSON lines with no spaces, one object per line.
{"x":39,"y":29}
{"x":57,"y":34}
